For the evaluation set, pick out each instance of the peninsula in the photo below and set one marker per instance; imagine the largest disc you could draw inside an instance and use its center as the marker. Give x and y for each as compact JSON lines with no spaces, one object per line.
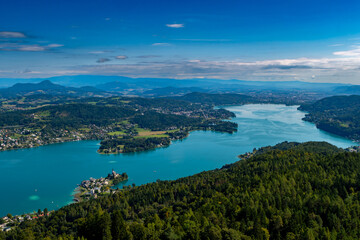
{"x":92,"y":188}
{"x":123,"y":124}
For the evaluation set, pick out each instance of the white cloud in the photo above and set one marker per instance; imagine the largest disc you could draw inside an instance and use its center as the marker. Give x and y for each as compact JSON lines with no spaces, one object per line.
{"x":350,"y":53}
{"x":336,"y":45}
{"x":15,"y":47}
{"x":122,"y":57}
{"x":12,"y":35}
{"x":97,"y":52}
{"x":31,"y":48}
{"x":54,"y":45}
{"x":175,"y":25}
{"x":161,"y":44}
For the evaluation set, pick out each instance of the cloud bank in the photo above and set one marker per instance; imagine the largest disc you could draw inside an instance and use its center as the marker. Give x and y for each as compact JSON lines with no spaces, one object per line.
{"x":12,"y":35}
{"x":336,"y":69}
{"x":342,"y":66}
{"x":19,"y":47}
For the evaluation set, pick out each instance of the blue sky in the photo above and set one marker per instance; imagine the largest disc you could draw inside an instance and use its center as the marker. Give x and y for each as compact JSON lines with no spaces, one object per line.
{"x":316,"y":41}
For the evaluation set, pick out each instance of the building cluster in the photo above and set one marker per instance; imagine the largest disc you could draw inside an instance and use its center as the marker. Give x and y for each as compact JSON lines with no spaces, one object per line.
{"x":20,"y":138}
{"x":187,"y":113}
{"x":93,"y":187}
{"x":8,"y":222}
{"x":16,"y":138}
{"x":353,"y":149}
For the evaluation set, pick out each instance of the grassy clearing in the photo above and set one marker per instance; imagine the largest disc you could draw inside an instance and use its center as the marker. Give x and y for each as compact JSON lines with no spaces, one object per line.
{"x":16,"y":136}
{"x":139,"y":130}
{"x":150,"y":133}
{"x":124,"y":122}
{"x":44,"y":114}
{"x":116,"y":133}
{"x":172,"y":131}
{"x":85,"y":129}
{"x":153,"y":136}
{"x":143,"y":133}
{"x":344,"y":124}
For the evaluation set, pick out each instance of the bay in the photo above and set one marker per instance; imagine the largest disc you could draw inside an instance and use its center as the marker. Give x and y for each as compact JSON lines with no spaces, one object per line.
{"x":45,"y":177}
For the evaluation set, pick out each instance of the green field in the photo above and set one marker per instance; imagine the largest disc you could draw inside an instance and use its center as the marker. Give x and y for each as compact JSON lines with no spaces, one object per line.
{"x":152,"y":136}
{"x":116,"y":133}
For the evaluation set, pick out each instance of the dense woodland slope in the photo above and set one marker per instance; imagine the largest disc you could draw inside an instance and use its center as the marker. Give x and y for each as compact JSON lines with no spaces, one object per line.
{"x":339,"y":115}
{"x":291,"y":191}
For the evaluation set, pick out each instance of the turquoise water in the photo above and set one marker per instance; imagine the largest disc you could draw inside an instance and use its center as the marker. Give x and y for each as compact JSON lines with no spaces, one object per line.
{"x":45,"y":177}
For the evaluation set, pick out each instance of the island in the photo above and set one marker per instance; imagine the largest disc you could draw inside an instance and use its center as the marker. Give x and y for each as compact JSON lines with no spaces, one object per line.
{"x":92,"y":188}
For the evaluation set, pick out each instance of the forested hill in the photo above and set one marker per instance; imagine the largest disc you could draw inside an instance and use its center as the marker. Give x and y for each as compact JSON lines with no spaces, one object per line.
{"x":339,"y":115}
{"x":313,"y":147}
{"x":49,"y":88}
{"x":296,"y":193}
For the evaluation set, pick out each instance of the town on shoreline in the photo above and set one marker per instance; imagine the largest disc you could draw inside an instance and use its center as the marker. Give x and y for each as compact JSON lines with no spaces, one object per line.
{"x":92,"y":188}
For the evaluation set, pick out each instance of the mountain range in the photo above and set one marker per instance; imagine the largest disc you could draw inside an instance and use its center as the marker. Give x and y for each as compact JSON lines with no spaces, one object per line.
{"x":49,"y":88}
{"x":91,"y":85}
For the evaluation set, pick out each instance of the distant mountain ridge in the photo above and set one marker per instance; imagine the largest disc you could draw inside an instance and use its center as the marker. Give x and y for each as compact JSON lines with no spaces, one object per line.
{"x":120,"y":83}
{"x":355,"y":89}
{"x":49,"y":88}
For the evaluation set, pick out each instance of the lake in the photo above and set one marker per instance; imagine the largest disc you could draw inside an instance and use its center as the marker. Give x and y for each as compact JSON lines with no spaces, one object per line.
{"x":45,"y":177}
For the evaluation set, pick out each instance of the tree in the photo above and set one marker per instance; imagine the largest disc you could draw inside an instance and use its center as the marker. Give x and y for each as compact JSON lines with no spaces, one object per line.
{"x":46,"y":212}
{"x":138,"y":230}
{"x":106,"y":226}
{"x":119,"y":229}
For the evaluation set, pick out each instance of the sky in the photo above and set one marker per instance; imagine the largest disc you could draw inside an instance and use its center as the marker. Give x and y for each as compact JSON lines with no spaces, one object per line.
{"x":266,"y":40}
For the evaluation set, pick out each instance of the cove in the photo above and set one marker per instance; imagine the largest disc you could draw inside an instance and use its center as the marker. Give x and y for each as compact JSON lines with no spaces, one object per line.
{"x":45,"y":177}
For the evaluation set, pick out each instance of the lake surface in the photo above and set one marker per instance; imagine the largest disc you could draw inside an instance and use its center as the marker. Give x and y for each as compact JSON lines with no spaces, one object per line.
{"x":45,"y":177}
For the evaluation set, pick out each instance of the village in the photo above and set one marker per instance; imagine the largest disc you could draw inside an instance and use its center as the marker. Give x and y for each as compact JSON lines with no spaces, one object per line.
{"x":92,"y":188}
{"x":23,"y":137}
{"x":9,"y":221}
{"x":355,"y":149}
